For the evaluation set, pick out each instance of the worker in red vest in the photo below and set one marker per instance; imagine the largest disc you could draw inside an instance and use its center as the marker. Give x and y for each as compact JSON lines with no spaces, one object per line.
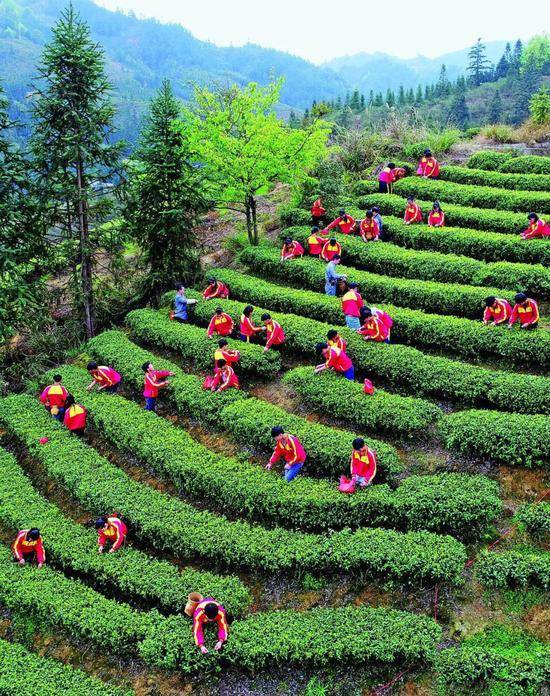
{"x":537,"y":228}
{"x":375,"y":326}
{"x":428,"y":166}
{"x":412,"y":212}
{"x":222,"y":352}
{"x":291,"y":250}
{"x":497,"y":311}
{"x":331,"y":248}
{"x":28,"y":547}
{"x":110,"y":529}
{"x":224,"y":377}
{"x":369,"y":229}
{"x":289,"y":448}
{"x":75,"y":416}
{"x":335,"y":359}
{"x":215,"y":289}
{"x":344,"y":223}
{"x":363,"y":463}
{"x":351,"y":306}
{"x":526,"y":311}
{"x":247,"y":327}
{"x":209,"y":611}
{"x":436,"y":218}
{"x":54,"y":398}
{"x":275,"y":336}
{"x":220,"y":324}
{"x":334,"y":339}
{"x":105,"y":378}
{"x":386,"y":178}
{"x":315,"y":242}
{"x":154,"y":380}
{"x":318,"y":211}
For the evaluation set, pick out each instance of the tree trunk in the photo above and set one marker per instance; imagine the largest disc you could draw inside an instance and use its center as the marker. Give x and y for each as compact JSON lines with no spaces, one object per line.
{"x":249,"y":225}
{"x":254,"y":221}
{"x":85,"y":256}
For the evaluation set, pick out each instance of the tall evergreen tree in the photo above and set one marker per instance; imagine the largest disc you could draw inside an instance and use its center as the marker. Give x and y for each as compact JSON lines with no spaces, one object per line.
{"x":515,"y":63}
{"x":458,"y":111}
{"x":74,"y":156}
{"x":164,"y":199}
{"x":418,"y":96}
{"x":401,"y":99}
{"x":503,"y":65}
{"x":495,"y":108}
{"x":443,"y":86}
{"x":410,"y":96}
{"x":362,"y":102}
{"x":355,"y":101}
{"x":478,"y":64}
{"x":525,"y":85}
{"x":371,"y":98}
{"x":390,"y":98}
{"x":379,"y":99}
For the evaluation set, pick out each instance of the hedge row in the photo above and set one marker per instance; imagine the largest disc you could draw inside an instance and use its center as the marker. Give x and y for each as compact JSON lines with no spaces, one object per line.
{"x":440,"y":298}
{"x":74,"y":548}
{"x":507,"y":659}
{"x":462,"y":336}
{"x":194,"y":346}
{"x":328,"y":449}
{"x":482,"y":177}
{"x":508,"y":438}
{"x":478,"y":196}
{"x":515,"y":568}
{"x":23,"y":673}
{"x":536,"y":519}
{"x":455,"y":215}
{"x":401,"y":366}
{"x":170,"y":523}
{"x":345,"y":400}
{"x":396,"y":261}
{"x":509,"y":162}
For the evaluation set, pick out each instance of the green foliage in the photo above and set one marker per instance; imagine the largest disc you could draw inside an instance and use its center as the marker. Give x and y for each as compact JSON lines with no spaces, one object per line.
{"x":510,"y":162}
{"x":499,"y":133}
{"x":24,"y":673}
{"x":536,"y":519}
{"x":169,"y":523}
{"x":514,"y":568}
{"x":481,"y":177}
{"x":539,"y":106}
{"x":403,"y":366}
{"x":536,"y":54}
{"x":508,"y":438}
{"x":74,"y":549}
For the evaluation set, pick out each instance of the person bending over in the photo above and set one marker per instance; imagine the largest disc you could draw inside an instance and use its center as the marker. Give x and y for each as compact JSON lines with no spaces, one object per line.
{"x":289,"y":448}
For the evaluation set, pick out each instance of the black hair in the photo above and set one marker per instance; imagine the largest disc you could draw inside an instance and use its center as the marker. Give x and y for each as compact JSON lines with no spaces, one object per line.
{"x":314,"y":229}
{"x":247,"y":311}
{"x":332,"y":334}
{"x":69,"y":401}
{"x":375,"y":209}
{"x":219,"y":310}
{"x":490,"y":301}
{"x":520,"y":297}
{"x":180,"y":286}
{"x":428,"y":152}
{"x":57,"y":378}
{"x":91,"y":366}
{"x":342,"y":211}
{"x":391,"y":165}
{"x":266,"y":317}
{"x":436,"y":204}
{"x":368,"y":214}
{"x":33,"y":534}
{"x":336,"y":256}
{"x":276,"y":430}
{"x":352,"y":286}
{"x":366,"y":312}
{"x":222,"y":342}
{"x":288,"y":240}
{"x":321,"y":346}
{"x":211,"y":281}
{"x":145,"y":366}
{"x":531,"y":216}
{"x":100,"y":522}
{"x":222,"y":362}
{"x":211,"y":610}
{"x":358,"y":443}
{"x":410,"y":198}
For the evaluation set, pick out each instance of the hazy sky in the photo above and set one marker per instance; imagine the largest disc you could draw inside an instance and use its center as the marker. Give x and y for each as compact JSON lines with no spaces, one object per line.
{"x":322,"y":29}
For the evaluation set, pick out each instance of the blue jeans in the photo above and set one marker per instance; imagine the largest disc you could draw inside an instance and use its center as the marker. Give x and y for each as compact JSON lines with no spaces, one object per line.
{"x":150,"y":403}
{"x":60,"y":414}
{"x":112,"y":389}
{"x":352,"y":322}
{"x":293,"y":471}
{"x":349,"y":374}
{"x":330,"y":289}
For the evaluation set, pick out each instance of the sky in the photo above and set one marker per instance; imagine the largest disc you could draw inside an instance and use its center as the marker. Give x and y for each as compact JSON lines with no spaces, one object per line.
{"x":319,"y":30}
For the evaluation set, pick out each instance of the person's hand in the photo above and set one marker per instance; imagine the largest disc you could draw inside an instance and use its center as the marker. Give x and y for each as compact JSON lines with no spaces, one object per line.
{"x":22,"y":562}
{"x":485,"y":322}
{"x":171,"y":374}
{"x":266,"y":349}
{"x":287,"y":467}
{"x":111,"y":550}
{"x":524,"y":326}
{"x":40,"y":565}
{"x":510,"y":326}
{"x":268,"y":465}
{"x":204,"y":649}
{"x":218,"y":645}
{"x":100,"y":549}
{"x":89,"y":387}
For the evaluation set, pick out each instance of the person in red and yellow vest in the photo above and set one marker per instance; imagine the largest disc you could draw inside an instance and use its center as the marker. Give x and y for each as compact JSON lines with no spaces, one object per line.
{"x":153,"y":381}
{"x":412,"y":212}
{"x":222,"y":352}
{"x":208,"y":611}
{"x":54,"y":398}
{"x":291,"y":250}
{"x":331,"y":248}
{"x":335,"y":359}
{"x":247,"y":327}
{"x":110,"y":529}
{"x":428,"y":166}
{"x":374,"y":326}
{"x":289,"y":448}
{"x":220,"y":324}
{"x":28,"y":547}
{"x":369,"y":230}
{"x":436,"y":218}
{"x":351,"y":306}
{"x":526,"y":311}
{"x":344,"y":222}
{"x":334,"y":339}
{"x":315,"y":242}
{"x":75,"y":416}
{"x":215,"y":289}
{"x":317,"y":211}
{"x":275,"y":336}
{"x":537,"y":228}
{"x":105,"y":378}
{"x":224,"y":377}
{"x":497,"y":311}
{"x":363,"y":463}
{"x":386,"y":178}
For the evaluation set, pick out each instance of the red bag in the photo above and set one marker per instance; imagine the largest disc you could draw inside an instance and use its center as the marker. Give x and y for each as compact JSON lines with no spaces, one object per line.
{"x":368,"y":387}
{"x":346,"y":485}
{"x":208,"y":382}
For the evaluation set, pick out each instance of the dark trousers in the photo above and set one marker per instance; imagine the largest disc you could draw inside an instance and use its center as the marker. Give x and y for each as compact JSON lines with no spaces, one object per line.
{"x":112,"y":389}
{"x":150,"y":403}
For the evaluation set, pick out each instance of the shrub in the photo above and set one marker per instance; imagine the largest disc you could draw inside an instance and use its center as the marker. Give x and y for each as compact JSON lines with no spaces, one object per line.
{"x":392,"y":260}
{"x":74,"y":548}
{"x":480,"y":177}
{"x":170,"y":523}
{"x":402,"y":366}
{"x":489,"y":160}
{"x":514,"y":568}
{"x":527,"y":163}
{"x":23,"y":673}
{"x":343,"y":399}
{"x":536,"y":519}
{"x":509,"y":438}
{"x":499,"y":133}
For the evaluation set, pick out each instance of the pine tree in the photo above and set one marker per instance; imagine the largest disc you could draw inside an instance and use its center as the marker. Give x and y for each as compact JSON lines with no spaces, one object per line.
{"x":355,"y":101}
{"x":362,"y":102}
{"x":339,"y":103}
{"x":71,"y":143}
{"x":418,"y":96}
{"x":371,"y":98}
{"x":524,"y":87}
{"x":379,"y":99}
{"x":443,"y":85}
{"x":401,"y":100}
{"x":164,"y":199}
{"x":516,"y":56}
{"x":503,"y":65}
{"x":478,"y":64}
{"x":410,"y":96}
{"x":347,"y":99}
{"x":390,"y":98}
{"x":458,"y":111}
{"x":495,"y":108}
{"x":426,"y":92}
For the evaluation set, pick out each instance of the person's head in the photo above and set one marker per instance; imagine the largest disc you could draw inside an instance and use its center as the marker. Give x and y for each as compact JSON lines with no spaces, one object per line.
{"x":247,"y":311}
{"x":342,"y":212}
{"x":147,"y":366}
{"x":91,"y":366}
{"x":57,"y":379}
{"x":358,"y":443}
{"x":288,"y":241}
{"x":336,"y":258}
{"x":490,"y":301}
{"x":69,"y":401}
{"x":314,"y":230}
{"x":321,"y":348}
{"x":277,"y":432}
{"x":211,"y":610}
{"x":352,"y":286}
{"x":33,"y":534}
{"x":332,"y":335}
{"x":427,"y":152}
{"x":410,"y":199}
{"x":222,"y":343}
{"x":436,"y":206}
{"x":211,"y":281}
{"x":369,"y":214}
{"x":375,"y":209}
{"x":520,"y":298}
{"x":391,"y":165}
{"x":100,"y":523}
{"x":333,"y":241}
{"x":180,"y":288}
{"x":365,"y":312}
{"x":221,"y":363}
{"x":266,"y":317}
{"x":219,"y":311}
{"x":532,"y":216}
